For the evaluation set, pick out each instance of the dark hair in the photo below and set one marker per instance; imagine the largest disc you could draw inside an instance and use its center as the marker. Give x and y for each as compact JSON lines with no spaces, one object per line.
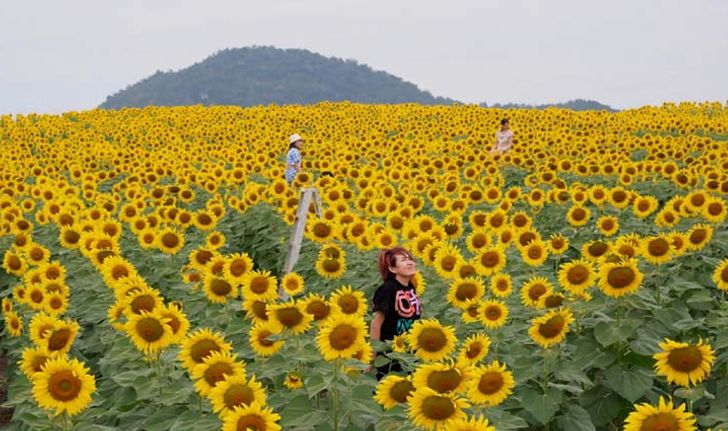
{"x":504,"y":122}
{"x":292,"y":145}
{"x":388,"y":258}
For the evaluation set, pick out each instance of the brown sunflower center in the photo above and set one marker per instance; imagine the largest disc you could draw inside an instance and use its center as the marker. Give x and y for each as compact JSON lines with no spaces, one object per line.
{"x":259,"y":285}
{"x":64,"y":385}
{"x":342,"y":337}
{"x":493,"y":312}
{"x":142,"y":303}
{"x":170,"y":240}
{"x":319,"y":309}
{"x":238,"y":395}
{"x":432,"y":339}
{"x":490,"y":382}
{"x":578,"y":214}
{"x":36,"y":296}
{"x":535,"y":252}
{"x":217,"y":372}
{"x":202,"y":349}
{"x":251,"y":422}
{"x":465,"y":291}
{"x":444,"y":381}
{"x":322,"y":230}
{"x":150,"y":329}
{"x":448,"y":263}
{"x":71,"y":237}
{"x":331,"y":266}
{"x":685,"y":359}
{"x":598,"y":248}
{"x":479,"y":240}
{"x":552,"y":327}
{"x":697,"y":236}
{"x":438,"y":408}
{"x":401,"y":390}
{"x":119,"y":271}
{"x":220,"y":287}
{"x":490,"y":259}
{"x":14,"y":263}
{"x":658,"y":247}
{"x":289,"y":316}
{"x":536,"y":291}
{"x":621,"y":277}
{"x":577,"y":274}
{"x":661,"y":422}
{"x":473,"y":350}
{"x":59,"y":339}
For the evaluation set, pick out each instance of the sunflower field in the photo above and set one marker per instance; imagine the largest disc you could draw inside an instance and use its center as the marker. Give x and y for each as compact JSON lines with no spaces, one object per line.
{"x":577,"y":282}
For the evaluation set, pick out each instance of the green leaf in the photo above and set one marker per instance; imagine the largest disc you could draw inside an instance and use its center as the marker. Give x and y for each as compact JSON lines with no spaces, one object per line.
{"x":692,"y":394}
{"x":504,"y":421}
{"x":575,"y":418}
{"x":542,"y":406}
{"x":630,"y":384}
{"x":608,"y":333}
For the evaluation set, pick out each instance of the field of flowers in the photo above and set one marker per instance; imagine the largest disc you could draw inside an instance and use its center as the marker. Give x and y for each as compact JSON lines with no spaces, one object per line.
{"x":578,"y":282}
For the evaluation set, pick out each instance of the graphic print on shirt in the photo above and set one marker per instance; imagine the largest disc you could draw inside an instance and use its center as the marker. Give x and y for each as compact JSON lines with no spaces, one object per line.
{"x":407,"y":306}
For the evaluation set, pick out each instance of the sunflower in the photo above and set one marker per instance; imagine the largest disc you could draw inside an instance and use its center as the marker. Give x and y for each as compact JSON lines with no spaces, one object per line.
{"x":493,"y":313}
{"x":14,"y":264}
{"x":552,"y":300}
{"x":33,"y":360}
{"x":236,"y":391}
{"x":219,"y":289}
{"x":149,"y":332}
{"x":7,"y":305}
{"x":260,"y":285}
{"x":461,"y":291}
{"x":446,"y":261}
{"x":60,"y":338}
{"x":491,"y":260}
{"x":293,"y":380}
{"x":501,"y":285}
{"x":114,"y":315}
{"x":578,"y":216}
{"x":36,"y":297}
{"x":341,"y":336}
{"x":683,"y":363}
{"x":441,"y":377}
{"x":64,"y":386}
{"x":479,"y":423}
{"x":116,"y":268}
{"x":474,"y":349}
{"x":147,"y":238}
{"x":215,"y":368}
{"x":551,"y":328}
{"x":644,"y":206}
{"x":291,"y":316}
{"x":477,"y":240}
{"x":292,"y":284}
{"x":172,"y":316}
{"x":55,"y":303}
{"x":258,"y":337}
{"x":393,"y":390}
{"x":199,"y":345}
{"x":346,"y":300}
{"x":255,"y":416}
{"x":37,"y":254}
{"x":720,"y":275}
{"x":430,"y":340}
{"x":657,"y":250}
{"x":535,"y":253}
{"x":142,"y":299}
{"x":490,"y":384}
{"x":558,"y":244}
{"x":698,"y":236}
{"x":620,"y":278}
{"x":236,"y":266}
{"x":322,"y":230}
{"x":317,"y":306}
{"x":13,"y":323}
{"x":577,"y":276}
{"x":215,"y":240}
{"x":533,"y":289}
{"x":715,"y":210}
{"x":330,"y":268}
{"x":433,"y":411}
{"x":170,"y":241}
{"x":663,"y":417}
{"x":593,"y":250}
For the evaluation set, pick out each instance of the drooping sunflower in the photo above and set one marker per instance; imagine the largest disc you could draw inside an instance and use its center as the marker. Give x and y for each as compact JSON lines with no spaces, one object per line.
{"x":64,"y":386}
{"x":491,"y":260}
{"x":620,"y":278}
{"x":292,"y":284}
{"x":493,"y":313}
{"x":149,"y":332}
{"x":501,"y":285}
{"x":255,"y":416}
{"x":665,"y":416}
{"x":341,"y":336}
{"x":490,"y":384}
{"x":199,"y":345}
{"x":551,"y":328}
{"x":346,"y":300}
{"x":533,"y":289}
{"x":720,"y":275}
{"x":214,"y":369}
{"x":683,"y":363}
{"x":461,"y":291}
{"x":430,"y":340}
{"x":577,"y":276}
{"x":236,"y":391}
{"x":434,"y":411}
{"x":258,"y":338}
{"x":442,"y":377}
{"x":290,"y":316}
{"x":260,"y":285}
{"x":393,"y":390}
{"x":474,"y":349}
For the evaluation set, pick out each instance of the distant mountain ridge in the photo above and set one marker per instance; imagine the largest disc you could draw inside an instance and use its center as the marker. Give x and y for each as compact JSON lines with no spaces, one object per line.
{"x":576,"y":105}
{"x":267,"y":75}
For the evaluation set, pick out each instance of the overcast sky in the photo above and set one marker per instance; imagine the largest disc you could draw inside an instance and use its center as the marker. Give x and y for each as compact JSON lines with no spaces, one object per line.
{"x":58,"y":56}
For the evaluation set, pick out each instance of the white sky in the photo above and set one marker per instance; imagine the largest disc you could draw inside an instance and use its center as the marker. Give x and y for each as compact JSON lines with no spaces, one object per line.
{"x":58,"y":56}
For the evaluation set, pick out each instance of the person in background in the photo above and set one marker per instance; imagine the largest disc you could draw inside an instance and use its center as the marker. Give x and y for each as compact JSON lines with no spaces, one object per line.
{"x":293,"y":158}
{"x":395,"y":304}
{"x":503,"y":138}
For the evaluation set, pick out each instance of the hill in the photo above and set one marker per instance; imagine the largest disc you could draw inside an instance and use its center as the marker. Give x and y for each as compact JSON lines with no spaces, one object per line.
{"x":576,"y":105}
{"x":265,"y":75}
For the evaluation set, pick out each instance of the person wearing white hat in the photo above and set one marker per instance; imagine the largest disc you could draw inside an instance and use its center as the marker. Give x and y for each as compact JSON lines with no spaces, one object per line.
{"x":293,"y":158}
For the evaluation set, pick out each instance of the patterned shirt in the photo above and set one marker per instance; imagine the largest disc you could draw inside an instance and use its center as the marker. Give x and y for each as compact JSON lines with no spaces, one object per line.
{"x":292,"y":159}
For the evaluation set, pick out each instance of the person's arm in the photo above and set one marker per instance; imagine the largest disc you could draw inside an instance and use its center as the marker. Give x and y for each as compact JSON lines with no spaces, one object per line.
{"x":375,"y":332}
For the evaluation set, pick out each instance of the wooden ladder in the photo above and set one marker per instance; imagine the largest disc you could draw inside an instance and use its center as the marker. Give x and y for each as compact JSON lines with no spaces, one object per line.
{"x":299,"y":227}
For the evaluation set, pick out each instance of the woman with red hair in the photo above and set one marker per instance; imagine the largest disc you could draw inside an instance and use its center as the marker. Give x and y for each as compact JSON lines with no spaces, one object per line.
{"x":395,"y":305}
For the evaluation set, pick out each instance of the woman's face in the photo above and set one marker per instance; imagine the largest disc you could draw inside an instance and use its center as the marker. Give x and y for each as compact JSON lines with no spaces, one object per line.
{"x":404,"y":265}
{"x":298,"y":144}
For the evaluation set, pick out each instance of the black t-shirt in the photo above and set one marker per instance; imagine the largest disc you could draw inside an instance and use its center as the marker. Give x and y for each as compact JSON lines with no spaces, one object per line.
{"x":400,"y":306}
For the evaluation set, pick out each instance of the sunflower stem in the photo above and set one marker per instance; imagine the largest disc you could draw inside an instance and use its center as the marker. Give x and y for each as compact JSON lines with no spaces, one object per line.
{"x":335,"y":394}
